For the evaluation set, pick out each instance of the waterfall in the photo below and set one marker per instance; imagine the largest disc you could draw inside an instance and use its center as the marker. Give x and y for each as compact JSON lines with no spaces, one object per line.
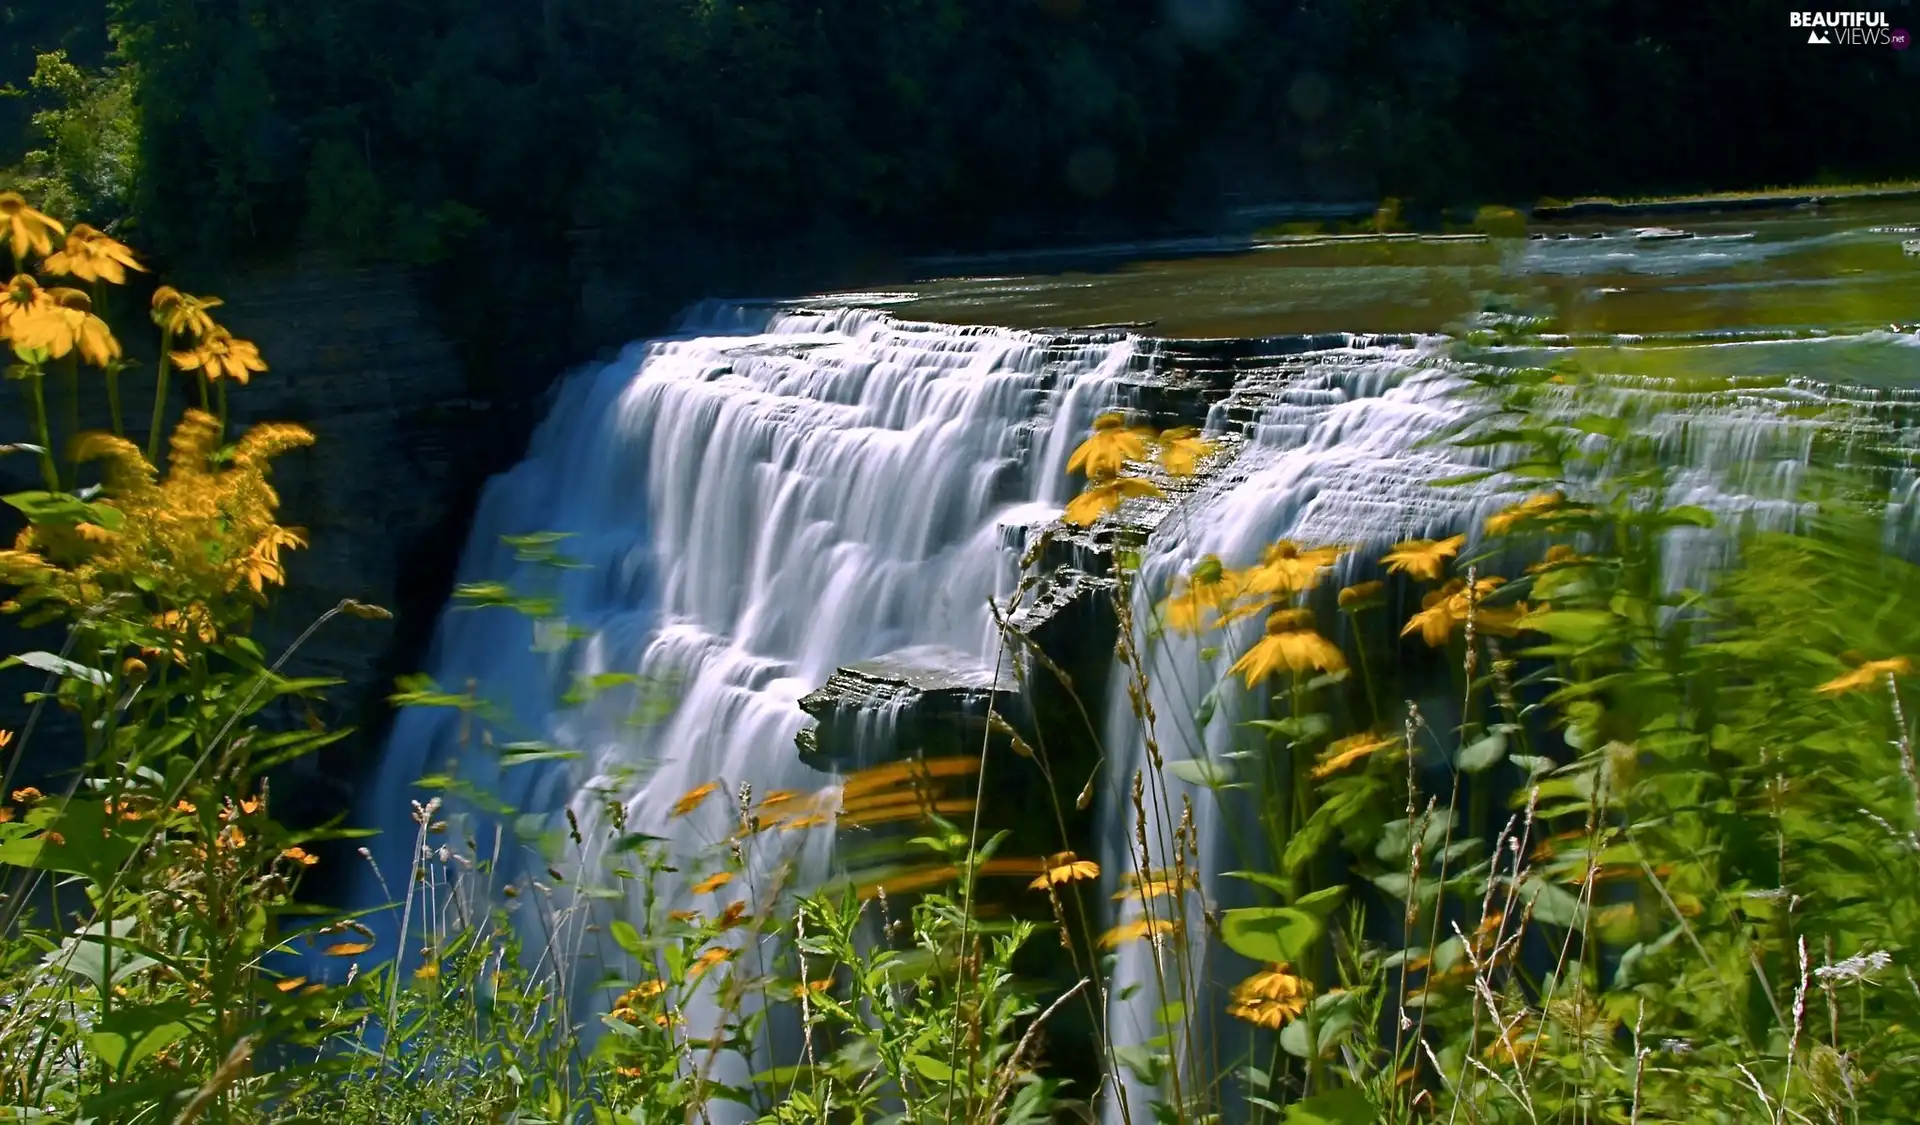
{"x":752,"y":502}
{"x":1340,"y":450}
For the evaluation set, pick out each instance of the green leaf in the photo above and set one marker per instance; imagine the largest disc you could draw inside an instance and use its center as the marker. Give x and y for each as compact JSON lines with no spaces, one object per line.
{"x":59,"y":666}
{"x":1576,"y":626}
{"x":520,"y":753}
{"x":1273,"y":883}
{"x":131,"y":1034}
{"x":1269,"y":933}
{"x":1483,"y":754}
{"x":1345,"y":1106}
{"x":1202,"y":771}
{"x":1320,"y":1028}
{"x":1321,"y":902}
{"x":931,"y":1069}
{"x":627,"y":938}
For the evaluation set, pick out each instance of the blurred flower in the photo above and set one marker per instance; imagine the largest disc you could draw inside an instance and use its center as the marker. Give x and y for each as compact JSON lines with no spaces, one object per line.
{"x":1182,"y":449}
{"x":289,"y":984}
{"x":300,"y":856}
{"x":1112,"y":445}
{"x":1270,"y":999}
{"x":348,"y":948}
{"x":713,"y":882}
{"x":1290,"y":644}
{"x":1208,"y":587}
{"x":1065,"y":868}
{"x":690,"y":800}
{"x":1135,"y":930}
{"x":26,"y":229}
{"x":28,"y":795}
{"x":1361,"y":594}
{"x":1539,"y":504}
{"x":1869,"y":674}
{"x":1286,"y":569}
{"x":91,"y":255}
{"x":1103,"y":495}
{"x":222,"y":355}
{"x":183,"y":314}
{"x":707,"y":960}
{"x":428,"y":971}
{"x":812,"y":986}
{"x":1347,"y":751}
{"x":1425,"y":559}
{"x":1558,"y":555}
{"x":1156,"y":885}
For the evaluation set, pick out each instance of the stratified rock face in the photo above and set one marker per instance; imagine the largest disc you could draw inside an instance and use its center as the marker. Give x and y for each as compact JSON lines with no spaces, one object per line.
{"x":385,"y":490}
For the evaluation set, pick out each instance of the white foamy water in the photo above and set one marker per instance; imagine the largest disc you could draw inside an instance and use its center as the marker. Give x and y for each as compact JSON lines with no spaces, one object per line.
{"x":754,"y":502}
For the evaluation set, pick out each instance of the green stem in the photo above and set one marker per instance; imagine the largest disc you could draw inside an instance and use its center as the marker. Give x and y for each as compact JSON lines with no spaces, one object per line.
{"x":204,"y":404}
{"x":48,"y":470}
{"x":221,"y":433}
{"x":73,"y":416}
{"x":113,"y":401}
{"x":159,"y":399}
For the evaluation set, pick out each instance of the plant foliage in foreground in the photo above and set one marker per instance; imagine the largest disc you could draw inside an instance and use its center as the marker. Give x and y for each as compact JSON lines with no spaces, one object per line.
{"x":1657,"y":862}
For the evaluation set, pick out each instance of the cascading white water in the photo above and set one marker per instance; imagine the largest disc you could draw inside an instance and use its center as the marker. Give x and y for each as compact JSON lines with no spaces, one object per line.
{"x":753,"y":502}
{"x":1341,"y":452}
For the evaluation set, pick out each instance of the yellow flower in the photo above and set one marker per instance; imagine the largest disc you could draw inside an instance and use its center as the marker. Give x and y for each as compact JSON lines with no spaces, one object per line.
{"x":777,"y":797}
{"x":1290,"y":644}
{"x":1112,"y":445}
{"x":713,"y":882}
{"x":67,"y":324}
{"x":1558,"y":555}
{"x":1103,"y":495}
{"x":690,"y":800}
{"x":1445,"y":609}
{"x":27,"y":229}
{"x":22,"y":299}
{"x":1182,"y":449}
{"x":1286,"y":569}
{"x":1360,"y":595}
{"x":1510,"y":1046}
{"x":1136,"y":930}
{"x":289,"y":983}
{"x":300,"y":856}
{"x":707,"y":960}
{"x":1347,"y":751}
{"x":1156,"y":885}
{"x":799,"y":823}
{"x":1538,"y":504}
{"x":812,"y":986}
{"x":6,"y":739}
{"x":348,"y":948}
{"x":1425,"y":559}
{"x":262,"y":562}
{"x":1065,"y":868}
{"x":92,"y":256}
{"x":221,"y":355}
{"x":1270,"y":999}
{"x":183,"y":314}
{"x":641,"y":993}
{"x":732,"y":915}
{"x":1870,"y":674}
{"x":428,"y":971}
{"x":683,"y":915}
{"x":1209,"y":587}
{"x":28,"y":795}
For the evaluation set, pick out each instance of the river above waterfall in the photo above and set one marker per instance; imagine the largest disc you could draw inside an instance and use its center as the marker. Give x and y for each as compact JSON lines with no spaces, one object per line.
{"x":1692,"y":280}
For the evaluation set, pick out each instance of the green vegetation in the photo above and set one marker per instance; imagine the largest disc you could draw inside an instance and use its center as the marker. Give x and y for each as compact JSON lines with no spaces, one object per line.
{"x":1656,"y":866}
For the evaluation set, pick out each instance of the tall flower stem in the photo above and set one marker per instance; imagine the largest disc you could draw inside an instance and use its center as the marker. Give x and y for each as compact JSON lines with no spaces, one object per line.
{"x":73,"y":416}
{"x":37,"y":398}
{"x":159,"y":397}
{"x":221,"y":390}
{"x":112,"y":369}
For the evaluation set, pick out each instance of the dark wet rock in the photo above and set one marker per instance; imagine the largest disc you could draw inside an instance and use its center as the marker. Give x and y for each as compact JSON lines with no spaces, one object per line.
{"x":920,"y":702}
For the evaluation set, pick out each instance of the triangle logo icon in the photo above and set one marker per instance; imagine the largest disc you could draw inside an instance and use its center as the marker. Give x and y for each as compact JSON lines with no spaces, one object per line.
{"x":1817,"y":37}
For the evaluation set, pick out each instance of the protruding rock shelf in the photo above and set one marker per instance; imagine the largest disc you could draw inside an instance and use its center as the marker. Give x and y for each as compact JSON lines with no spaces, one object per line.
{"x":916,"y":702}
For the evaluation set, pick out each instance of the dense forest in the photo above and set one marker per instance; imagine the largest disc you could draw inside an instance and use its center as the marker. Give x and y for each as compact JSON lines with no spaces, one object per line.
{"x":423,"y":128}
